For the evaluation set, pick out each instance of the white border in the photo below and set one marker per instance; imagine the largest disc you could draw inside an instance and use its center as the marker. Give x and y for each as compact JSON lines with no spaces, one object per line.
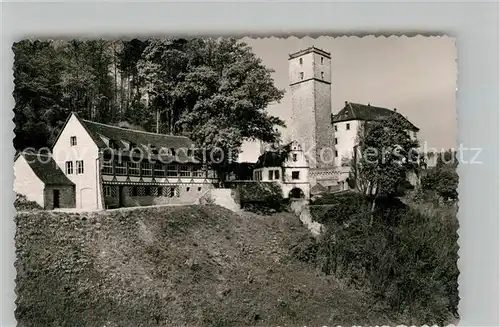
{"x":474,"y":24}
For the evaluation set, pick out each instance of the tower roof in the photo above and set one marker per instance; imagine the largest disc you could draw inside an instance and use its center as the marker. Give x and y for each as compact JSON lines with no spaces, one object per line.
{"x":309,"y":50}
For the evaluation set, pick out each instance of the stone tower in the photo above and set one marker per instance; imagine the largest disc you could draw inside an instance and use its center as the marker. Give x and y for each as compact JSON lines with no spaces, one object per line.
{"x":310,"y":84}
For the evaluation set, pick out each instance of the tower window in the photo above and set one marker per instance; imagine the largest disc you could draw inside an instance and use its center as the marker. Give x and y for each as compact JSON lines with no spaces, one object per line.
{"x":72,"y":140}
{"x":322,"y":75}
{"x":347,"y":126}
{"x":322,"y":60}
{"x":300,"y":61}
{"x":301,"y":75}
{"x":295,"y":174}
{"x":294,"y":157}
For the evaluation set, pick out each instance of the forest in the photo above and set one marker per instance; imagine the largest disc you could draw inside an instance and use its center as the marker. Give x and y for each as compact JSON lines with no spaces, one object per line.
{"x":214,"y":90}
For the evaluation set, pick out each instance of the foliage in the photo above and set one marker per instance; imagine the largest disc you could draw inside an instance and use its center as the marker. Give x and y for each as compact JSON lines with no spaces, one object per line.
{"x":21,"y":203}
{"x":215,"y":91}
{"x":261,"y":197}
{"x":443,"y":178}
{"x":385,"y":154}
{"x":406,"y":259}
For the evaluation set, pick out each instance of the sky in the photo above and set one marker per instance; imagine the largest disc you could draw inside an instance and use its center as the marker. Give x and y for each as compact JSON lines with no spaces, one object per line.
{"x":417,"y":75}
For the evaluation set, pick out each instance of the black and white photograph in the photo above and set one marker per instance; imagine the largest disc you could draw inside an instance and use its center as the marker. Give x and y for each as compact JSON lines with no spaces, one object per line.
{"x":227,"y":181}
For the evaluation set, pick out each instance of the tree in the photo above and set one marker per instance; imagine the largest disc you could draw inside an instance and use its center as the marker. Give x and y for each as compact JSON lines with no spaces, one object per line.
{"x":443,"y":178}
{"x":215,"y":91}
{"x":383,"y":157}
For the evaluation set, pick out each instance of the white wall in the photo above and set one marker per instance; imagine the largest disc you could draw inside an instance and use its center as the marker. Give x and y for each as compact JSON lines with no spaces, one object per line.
{"x":27,"y":183}
{"x":346,"y":139}
{"x":87,"y":188}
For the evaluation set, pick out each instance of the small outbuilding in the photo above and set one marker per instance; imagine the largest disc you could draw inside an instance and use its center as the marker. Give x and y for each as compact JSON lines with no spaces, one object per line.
{"x":39,"y":178}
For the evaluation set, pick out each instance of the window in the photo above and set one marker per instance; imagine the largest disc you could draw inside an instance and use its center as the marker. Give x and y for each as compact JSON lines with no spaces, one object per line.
{"x":295,"y":174}
{"x":159,"y":170}
{"x":335,"y":126}
{"x":69,"y":167}
{"x":133,"y":168}
{"x":172,"y":170}
{"x":336,"y":141}
{"x":294,"y":157}
{"x":301,"y":75}
{"x":184,"y":170}
{"x":270,"y":175}
{"x":120,"y":167}
{"x":146,"y":168}
{"x":322,"y":60}
{"x":336,"y":153}
{"x":187,"y":189}
{"x":72,"y":140}
{"x":107,"y":190}
{"x":198,"y":172}
{"x":199,"y":189}
{"x":300,"y":61}
{"x":172,"y":151}
{"x":171,"y":191}
{"x":347,"y":126}
{"x":79,"y":167}
{"x":107,"y":167}
{"x":276,"y":174}
{"x":322,"y":75}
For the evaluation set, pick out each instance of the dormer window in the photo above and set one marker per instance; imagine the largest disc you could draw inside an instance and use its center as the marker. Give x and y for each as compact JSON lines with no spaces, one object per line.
{"x":72,"y":140}
{"x":154,"y":149}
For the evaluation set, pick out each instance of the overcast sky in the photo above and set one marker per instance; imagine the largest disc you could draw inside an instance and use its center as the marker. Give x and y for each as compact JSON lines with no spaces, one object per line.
{"x":416,"y":75}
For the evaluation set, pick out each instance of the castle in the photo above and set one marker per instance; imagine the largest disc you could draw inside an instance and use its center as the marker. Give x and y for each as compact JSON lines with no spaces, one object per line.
{"x":327,"y":140}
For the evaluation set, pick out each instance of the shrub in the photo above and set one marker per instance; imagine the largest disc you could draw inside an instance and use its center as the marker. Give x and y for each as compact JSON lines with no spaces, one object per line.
{"x":21,"y":203}
{"x":406,"y":259}
{"x":263,"y":198}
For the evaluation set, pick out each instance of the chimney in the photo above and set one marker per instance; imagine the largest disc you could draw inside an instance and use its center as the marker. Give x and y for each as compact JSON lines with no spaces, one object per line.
{"x":368,"y":104}
{"x":395,"y":110}
{"x":346,"y":103}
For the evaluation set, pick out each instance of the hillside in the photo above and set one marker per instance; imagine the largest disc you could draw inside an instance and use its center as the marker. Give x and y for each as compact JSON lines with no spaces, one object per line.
{"x":175,"y":266}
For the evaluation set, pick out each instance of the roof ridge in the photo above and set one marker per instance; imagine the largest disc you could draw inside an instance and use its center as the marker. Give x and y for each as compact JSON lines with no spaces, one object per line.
{"x":36,"y":154}
{"x":132,"y":130}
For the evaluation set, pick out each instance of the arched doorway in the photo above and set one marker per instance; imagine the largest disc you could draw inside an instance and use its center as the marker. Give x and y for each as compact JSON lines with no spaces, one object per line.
{"x":296,"y":193}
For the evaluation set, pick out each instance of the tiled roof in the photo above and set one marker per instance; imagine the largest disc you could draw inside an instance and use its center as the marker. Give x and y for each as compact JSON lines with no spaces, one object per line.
{"x":357,"y":111}
{"x":141,"y":140}
{"x":46,"y":169}
{"x":118,"y":134}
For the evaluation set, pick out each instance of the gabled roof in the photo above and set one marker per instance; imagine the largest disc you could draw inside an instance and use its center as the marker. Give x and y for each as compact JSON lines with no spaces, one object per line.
{"x":357,"y":111}
{"x":118,"y":134}
{"x":46,"y":169}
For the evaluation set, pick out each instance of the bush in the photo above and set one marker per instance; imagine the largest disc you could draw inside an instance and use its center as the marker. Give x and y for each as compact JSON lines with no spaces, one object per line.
{"x":263,"y":198}
{"x":407,"y":258}
{"x":21,"y":203}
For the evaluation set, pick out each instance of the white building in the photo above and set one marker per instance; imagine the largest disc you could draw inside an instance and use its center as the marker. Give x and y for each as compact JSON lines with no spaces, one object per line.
{"x":292,"y":175}
{"x":109,"y":166}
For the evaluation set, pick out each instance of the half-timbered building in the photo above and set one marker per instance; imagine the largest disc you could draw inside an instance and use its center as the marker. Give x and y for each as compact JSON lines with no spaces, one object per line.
{"x":118,"y":167}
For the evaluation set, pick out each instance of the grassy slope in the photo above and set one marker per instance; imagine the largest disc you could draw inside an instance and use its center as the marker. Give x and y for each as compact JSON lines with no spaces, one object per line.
{"x":177,"y":266}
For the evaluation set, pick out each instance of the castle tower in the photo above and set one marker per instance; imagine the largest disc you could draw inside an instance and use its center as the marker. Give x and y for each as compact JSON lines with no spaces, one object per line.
{"x":310,"y":84}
